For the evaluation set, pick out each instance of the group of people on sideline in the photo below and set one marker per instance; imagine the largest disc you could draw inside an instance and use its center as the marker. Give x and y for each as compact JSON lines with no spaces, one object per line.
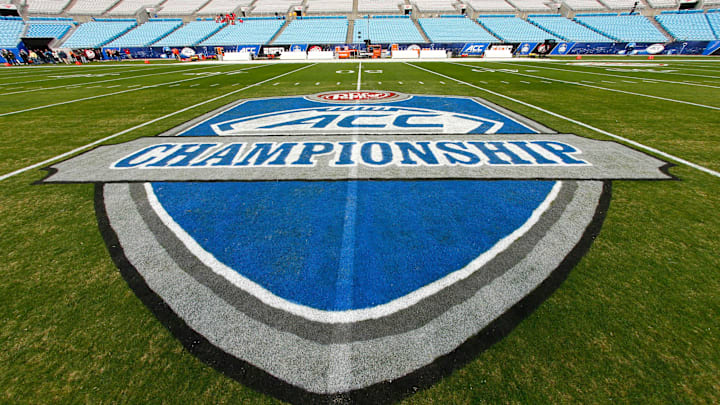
{"x":44,"y":56}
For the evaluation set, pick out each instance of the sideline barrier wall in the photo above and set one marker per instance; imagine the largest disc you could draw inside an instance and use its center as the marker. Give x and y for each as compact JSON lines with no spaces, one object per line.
{"x":321,"y":55}
{"x":293,"y":56}
{"x":411,"y":54}
{"x":433,"y":54}
{"x":237,"y":56}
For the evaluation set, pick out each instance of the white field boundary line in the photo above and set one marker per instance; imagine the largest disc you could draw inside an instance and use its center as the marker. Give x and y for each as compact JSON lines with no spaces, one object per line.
{"x":95,"y":82}
{"x":515,"y":64}
{"x":582,"y":124}
{"x":210,"y":74}
{"x":144,"y":124}
{"x":598,"y":87}
{"x":668,"y":73}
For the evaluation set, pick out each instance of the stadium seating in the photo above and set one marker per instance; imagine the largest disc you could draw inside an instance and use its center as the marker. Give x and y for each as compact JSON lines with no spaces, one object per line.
{"x":687,"y":26}
{"x":132,"y":7}
{"x":215,"y":7}
{"x":274,"y":6}
{"x":181,"y":7}
{"x":623,"y":28}
{"x":46,"y":6}
{"x":382,"y":30}
{"x":146,"y":34}
{"x":48,"y":27}
{"x":622,"y":4}
{"x":490,"y":5}
{"x":566,"y":29}
{"x":530,"y":5}
{"x":584,"y":5}
{"x":91,"y":7}
{"x":315,"y":31}
{"x":252,"y":31}
{"x":96,"y":33}
{"x":663,"y":3}
{"x":426,"y":6}
{"x":378,"y":6}
{"x":714,"y":20}
{"x":454,"y":30}
{"x":10,"y":30}
{"x":191,"y":34}
{"x":329,"y":6}
{"x":513,"y":29}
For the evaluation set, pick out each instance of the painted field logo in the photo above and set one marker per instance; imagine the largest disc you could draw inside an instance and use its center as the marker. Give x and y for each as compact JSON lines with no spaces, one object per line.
{"x":350,"y":245}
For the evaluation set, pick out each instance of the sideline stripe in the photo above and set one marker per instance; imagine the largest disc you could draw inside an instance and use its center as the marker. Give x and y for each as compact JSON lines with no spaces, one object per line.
{"x":211,"y":74}
{"x":359,"y":76}
{"x":614,"y":75}
{"x":105,"y":81}
{"x":669,"y":67}
{"x":602,"y":88}
{"x":74,"y":73}
{"x":582,"y":124}
{"x":123,"y":132}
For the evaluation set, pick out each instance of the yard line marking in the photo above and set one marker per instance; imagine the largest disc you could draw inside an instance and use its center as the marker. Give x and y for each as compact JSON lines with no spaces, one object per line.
{"x":628,"y":81}
{"x":359,"y":76}
{"x":194,"y":85}
{"x":586,"y":81}
{"x":421,"y":82}
{"x":297,"y":84}
{"x":605,"y":81}
{"x":582,"y":124}
{"x":442,"y":82}
{"x":274,"y":84}
{"x":174,"y":85}
{"x":317,"y":83}
{"x":522,"y":81}
{"x":101,"y":81}
{"x":134,"y":85}
{"x":379,"y":82}
{"x":337,"y":84}
{"x":619,"y":76}
{"x":110,"y":87}
{"x":664,"y":73}
{"x":612,"y":90}
{"x":66,"y":78}
{"x":503,"y":81}
{"x":400,"y":82}
{"x":123,"y":132}
{"x":51,"y":71}
{"x":210,"y":74}
{"x":482,"y":81}
{"x":216,"y":84}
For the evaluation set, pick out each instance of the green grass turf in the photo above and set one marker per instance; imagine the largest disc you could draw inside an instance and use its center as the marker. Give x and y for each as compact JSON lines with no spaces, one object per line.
{"x":636,"y":321}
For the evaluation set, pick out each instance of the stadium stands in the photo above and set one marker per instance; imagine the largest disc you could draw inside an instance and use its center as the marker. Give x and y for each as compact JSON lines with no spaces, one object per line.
{"x":39,"y":27}
{"x":46,"y":6}
{"x":329,"y":6}
{"x":181,"y":7}
{"x":132,"y":7}
{"x":252,"y":31}
{"x":315,"y":30}
{"x":96,"y":33}
{"x":584,"y":5}
{"x":490,"y":5}
{"x":622,"y":4}
{"x":530,"y":5}
{"x":10,"y":30}
{"x":623,"y":28}
{"x":454,"y":30}
{"x":687,"y":26}
{"x":378,"y":6}
{"x":426,"y":6}
{"x":714,"y":20}
{"x":274,"y":6}
{"x":91,"y":7}
{"x":191,"y":34}
{"x":663,"y":3}
{"x":146,"y":34}
{"x":513,"y":29}
{"x":384,"y":30}
{"x":566,"y":29}
{"x":215,"y":7}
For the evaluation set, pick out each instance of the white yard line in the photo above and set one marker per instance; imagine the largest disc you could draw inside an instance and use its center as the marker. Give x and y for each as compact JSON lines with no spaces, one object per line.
{"x":664,"y":67}
{"x":359,"y":76}
{"x":123,"y":132}
{"x":112,"y":80}
{"x":69,"y":78}
{"x":620,"y":76}
{"x":582,"y":124}
{"x":211,"y":74}
{"x":632,"y":93}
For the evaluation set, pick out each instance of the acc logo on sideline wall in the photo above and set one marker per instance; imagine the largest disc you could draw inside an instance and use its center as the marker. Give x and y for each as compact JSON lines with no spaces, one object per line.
{"x":354,"y":244}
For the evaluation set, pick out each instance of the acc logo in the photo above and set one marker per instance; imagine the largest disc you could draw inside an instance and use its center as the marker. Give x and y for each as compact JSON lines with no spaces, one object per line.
{"x":474,"y":49}
{"x":350,"y":245}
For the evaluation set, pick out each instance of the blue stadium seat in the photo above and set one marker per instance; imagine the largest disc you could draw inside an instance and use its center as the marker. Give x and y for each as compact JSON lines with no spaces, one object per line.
{"x":45,"y":30}
{"x":714,"y":20}
{"x":449,"y":30}
{"x":567,"y":29}
{"x":391,"y":30}
{"x":191,"y":34}
{"x":252,"y":31}
{"x":514,"y":29}
{"x":687,"y":26}
{"x":315,"y":30}
{"x":10,"y":31}
{"x":95,"y":34}
{"x":146,"y":34}
{"x":623,"y":28}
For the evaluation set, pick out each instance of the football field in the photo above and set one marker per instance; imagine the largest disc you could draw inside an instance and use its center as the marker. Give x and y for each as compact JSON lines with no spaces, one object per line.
{"x":636,"y":319}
